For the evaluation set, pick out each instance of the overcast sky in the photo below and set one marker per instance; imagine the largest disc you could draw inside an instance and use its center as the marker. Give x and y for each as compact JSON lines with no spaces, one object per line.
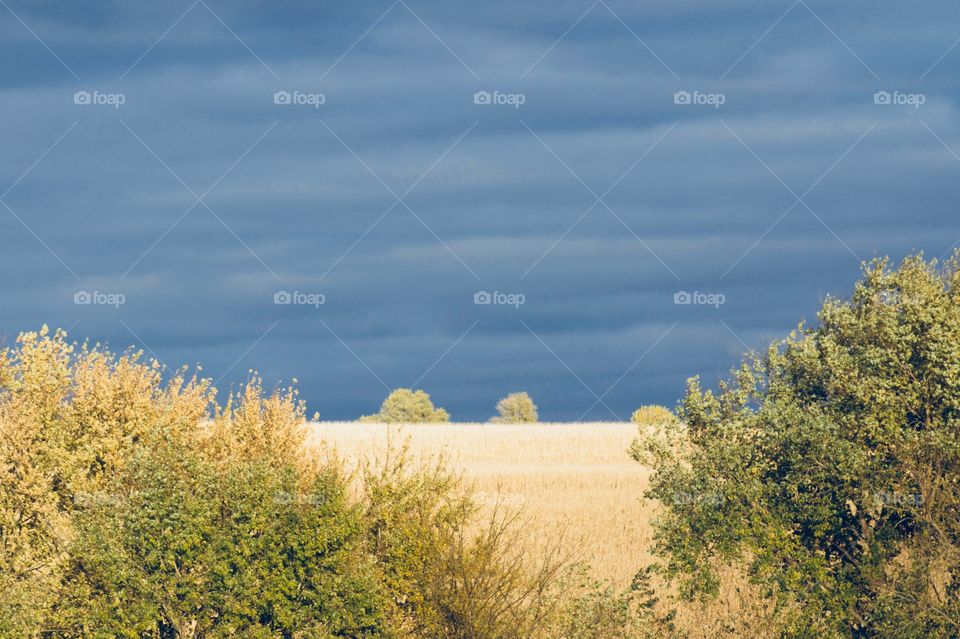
{"x":326,"y":190}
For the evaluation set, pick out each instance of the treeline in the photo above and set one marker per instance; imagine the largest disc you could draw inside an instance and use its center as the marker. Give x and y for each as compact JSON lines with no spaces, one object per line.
{"x":405,"y":406}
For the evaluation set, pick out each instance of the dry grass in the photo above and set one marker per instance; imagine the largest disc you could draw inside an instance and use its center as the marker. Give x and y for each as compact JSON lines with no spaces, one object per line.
{"x":572,"y":481}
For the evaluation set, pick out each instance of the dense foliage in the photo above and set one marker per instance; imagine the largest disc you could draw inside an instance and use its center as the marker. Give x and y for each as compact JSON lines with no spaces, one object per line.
{"x":130,"y":507}
{"x":405,"y":406}
{"x":653,"y":415}
{"x":133,"y":505}
{"x":830,"y":466}
{"x":516,"y":408}
{"x":827,"y":472}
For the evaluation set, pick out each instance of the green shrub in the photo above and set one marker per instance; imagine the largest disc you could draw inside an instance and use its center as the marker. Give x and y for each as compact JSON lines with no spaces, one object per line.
{"x":516,"y":408}
{"x":69,"y":417}
{"x":137,"y":508}
{"x":188,"y":548}
{"x":652,"y":415}
{"x":408,"y":407}
{"x":831,"y":464}
{"x":594,"y":609}
{"x":454,"y":572}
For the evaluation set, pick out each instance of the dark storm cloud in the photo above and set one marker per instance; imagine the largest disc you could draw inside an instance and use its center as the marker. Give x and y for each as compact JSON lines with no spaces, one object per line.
{"x":597,"y":199}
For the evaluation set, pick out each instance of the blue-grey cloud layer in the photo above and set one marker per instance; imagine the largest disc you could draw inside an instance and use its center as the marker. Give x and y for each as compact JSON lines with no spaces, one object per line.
{"x":597,"y":199}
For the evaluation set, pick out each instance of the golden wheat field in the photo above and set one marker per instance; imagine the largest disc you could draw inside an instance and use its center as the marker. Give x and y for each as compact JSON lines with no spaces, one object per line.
{"x":573,"y":482}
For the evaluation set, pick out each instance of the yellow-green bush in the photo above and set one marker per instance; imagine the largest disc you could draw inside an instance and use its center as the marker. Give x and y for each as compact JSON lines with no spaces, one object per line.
{"x":132,"y":504}
{"x":405,"y":406}
{"x":516,"y":408}
{"x":135,"y":507}
{"x":652,"y":415}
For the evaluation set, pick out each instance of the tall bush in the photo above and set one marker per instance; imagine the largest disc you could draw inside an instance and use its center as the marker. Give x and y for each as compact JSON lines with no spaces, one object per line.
{"x":830,"y":465}
{"x":69,"y":417}
{"x":136,"y":507}
{"x":187,"y":548}
{"x":133,"y":505}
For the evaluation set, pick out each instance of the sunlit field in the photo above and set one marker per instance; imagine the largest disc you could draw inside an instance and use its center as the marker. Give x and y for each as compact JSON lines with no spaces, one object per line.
{"x":572,"y":481}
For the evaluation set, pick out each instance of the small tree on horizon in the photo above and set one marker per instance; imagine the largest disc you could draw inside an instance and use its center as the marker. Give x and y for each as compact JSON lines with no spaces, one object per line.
{"x":407,"y":406}
{"x":653,"y":415}
{"x":516,"y":408}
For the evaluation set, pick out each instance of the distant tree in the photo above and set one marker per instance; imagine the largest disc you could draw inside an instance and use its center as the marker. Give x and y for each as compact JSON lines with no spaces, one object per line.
{"x":831,"y":464}
{"x":653,"y":415}
{"x":516,"y":408}
{"x":408,"y":407}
